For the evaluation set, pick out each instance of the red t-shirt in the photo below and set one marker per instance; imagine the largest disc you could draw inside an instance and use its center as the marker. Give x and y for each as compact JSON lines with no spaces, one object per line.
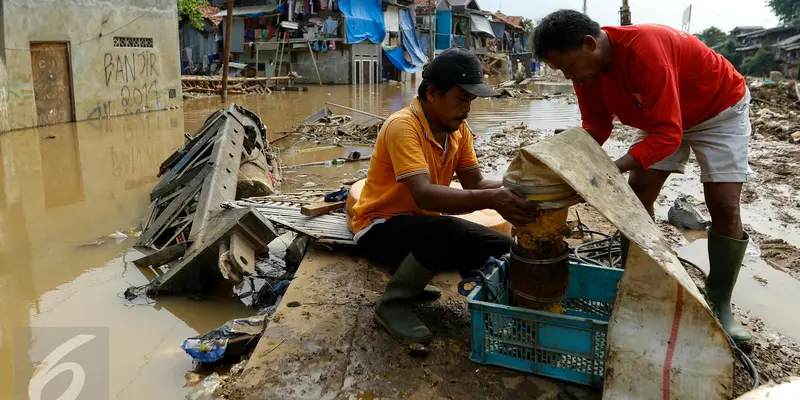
{"x":661,"y":81}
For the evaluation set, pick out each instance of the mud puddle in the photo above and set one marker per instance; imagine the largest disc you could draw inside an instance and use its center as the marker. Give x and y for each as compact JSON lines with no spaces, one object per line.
{"x":760,"y":288}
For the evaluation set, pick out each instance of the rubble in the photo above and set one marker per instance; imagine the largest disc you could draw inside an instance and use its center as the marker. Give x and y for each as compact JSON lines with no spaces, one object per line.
{"x":775,"y":110}
{"x":494,"y":153}
{"x":326,"y":127}
{"x":212,"y":85}
{"x":562,"y":98}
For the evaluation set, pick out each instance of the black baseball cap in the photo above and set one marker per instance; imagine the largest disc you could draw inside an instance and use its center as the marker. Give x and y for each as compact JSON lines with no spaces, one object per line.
{"x":458,"y":66}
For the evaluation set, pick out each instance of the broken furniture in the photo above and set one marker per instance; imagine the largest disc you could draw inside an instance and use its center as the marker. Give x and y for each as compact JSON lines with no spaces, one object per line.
{"x":186,"y":220}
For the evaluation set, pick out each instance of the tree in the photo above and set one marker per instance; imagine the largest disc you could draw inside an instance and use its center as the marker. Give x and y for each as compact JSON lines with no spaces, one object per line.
{"x":728,"y":50}
{"x":187,"y":10}
{"x":788,"y":11}
{"x":760,"y":63}
{"x":712,"y":36}
{"x":527,"y":24}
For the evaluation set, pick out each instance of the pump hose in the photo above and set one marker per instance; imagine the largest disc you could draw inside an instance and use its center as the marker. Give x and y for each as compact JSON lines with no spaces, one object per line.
{"x":600,"y":253}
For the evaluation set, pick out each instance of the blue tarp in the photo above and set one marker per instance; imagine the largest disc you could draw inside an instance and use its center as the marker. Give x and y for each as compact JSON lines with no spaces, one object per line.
{"x":364,"y":20}
{"x":395,"y":55}
{"x":410,"y":41}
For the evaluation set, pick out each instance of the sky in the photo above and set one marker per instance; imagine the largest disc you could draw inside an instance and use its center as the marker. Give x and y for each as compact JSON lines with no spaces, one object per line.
{"x":724,"y":14}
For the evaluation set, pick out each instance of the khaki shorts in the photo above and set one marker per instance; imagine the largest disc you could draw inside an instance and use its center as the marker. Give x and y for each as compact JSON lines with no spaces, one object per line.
{"x":720,"y":145}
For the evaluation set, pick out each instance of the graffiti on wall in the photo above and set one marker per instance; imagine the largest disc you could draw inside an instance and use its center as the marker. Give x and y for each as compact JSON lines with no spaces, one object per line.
{"x":133,"y":78}
{"x":136,"y":75}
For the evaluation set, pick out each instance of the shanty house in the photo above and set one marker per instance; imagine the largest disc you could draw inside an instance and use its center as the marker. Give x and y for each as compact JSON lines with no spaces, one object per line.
{"x":752,"y":41}
{"x":322,"y":41}
{"x":404,"y":52}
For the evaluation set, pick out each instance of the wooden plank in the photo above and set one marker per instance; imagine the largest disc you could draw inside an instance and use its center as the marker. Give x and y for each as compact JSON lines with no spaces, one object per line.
{"x":314,"y":209}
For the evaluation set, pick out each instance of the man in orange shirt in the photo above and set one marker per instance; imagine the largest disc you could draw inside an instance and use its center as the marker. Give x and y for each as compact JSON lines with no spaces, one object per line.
{"x":397,"y":220}
{"x":683,"y":97}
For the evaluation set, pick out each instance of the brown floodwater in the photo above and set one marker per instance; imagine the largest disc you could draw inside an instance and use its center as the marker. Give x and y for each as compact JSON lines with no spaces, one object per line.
{"x":65,"y":186}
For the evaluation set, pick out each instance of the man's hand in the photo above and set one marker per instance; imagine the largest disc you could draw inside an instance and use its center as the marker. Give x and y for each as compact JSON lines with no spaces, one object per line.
{"x":626,"y":163}
{"x":513,"y":206}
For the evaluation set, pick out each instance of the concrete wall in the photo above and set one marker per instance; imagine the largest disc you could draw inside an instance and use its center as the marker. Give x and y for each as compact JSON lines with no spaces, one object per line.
{"x":106,"y":80}
{"x":334,"y":65}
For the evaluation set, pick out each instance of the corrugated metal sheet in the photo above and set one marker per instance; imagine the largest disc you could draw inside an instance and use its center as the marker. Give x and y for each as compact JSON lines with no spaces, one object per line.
{"x":250,"y":12}
{"x":480,"y":26}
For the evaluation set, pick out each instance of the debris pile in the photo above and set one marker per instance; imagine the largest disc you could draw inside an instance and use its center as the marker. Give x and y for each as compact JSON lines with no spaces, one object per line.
{"x":326,"y":127}
{"x":775,"y":110}
{"x":517,"y":90}
{"x":503,"y":145}
{"x":562,"y":98}
{"x":213,"y":85}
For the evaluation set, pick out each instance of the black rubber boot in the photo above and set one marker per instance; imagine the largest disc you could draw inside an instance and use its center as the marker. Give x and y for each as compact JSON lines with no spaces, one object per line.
{"x":725,"y":255}
{"x":406,"y":285}
{"x":625,"y":243}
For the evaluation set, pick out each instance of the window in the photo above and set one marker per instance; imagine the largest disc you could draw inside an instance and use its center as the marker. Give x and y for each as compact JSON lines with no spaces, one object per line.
{"x":120,"y":41}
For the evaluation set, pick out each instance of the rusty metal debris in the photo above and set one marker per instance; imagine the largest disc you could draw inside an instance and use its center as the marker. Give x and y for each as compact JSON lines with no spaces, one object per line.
{"x":228,"y":158}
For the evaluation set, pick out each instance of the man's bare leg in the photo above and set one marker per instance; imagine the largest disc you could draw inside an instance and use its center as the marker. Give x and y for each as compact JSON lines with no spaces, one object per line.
{"x":647,"y":186}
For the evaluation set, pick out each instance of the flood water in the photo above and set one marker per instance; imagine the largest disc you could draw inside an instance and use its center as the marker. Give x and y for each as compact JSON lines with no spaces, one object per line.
{"x":63,"y":187}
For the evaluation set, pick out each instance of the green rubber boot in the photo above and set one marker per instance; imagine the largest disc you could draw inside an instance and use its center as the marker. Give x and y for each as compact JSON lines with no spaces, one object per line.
{"x":725,"y":255}
{"x":406,"y":285}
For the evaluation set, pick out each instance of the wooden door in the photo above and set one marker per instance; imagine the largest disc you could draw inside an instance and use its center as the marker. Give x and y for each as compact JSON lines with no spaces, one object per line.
{"x":52,"y":87}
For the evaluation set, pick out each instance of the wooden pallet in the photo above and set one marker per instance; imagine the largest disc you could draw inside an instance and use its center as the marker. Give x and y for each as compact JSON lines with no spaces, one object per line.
{"x":328,"y":228}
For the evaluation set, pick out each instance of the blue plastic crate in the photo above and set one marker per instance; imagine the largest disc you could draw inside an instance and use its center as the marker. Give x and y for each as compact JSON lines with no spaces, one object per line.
{"x":571,"y":347}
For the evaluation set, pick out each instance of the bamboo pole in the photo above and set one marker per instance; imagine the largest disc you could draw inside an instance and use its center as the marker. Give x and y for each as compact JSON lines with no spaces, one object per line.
{"x":227,"y":52}
{"x":354,"y":110}
{"x":310,"y":50}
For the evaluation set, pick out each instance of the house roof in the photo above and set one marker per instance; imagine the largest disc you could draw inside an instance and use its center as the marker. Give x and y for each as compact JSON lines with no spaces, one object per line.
{"x":749,"y":48}
{"x":790,"y":40}
{"x":209,"y":12}
{"x":764,"y":32}
{"x":512,"y":20}
{"x":461,"y":5}
{"x":747,"y":28}
{"x":425,"y":5}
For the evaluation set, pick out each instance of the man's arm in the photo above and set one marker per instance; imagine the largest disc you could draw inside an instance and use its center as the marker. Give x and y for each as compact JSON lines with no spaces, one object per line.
{"x":473,"y":179}
{"x":514,"y":207}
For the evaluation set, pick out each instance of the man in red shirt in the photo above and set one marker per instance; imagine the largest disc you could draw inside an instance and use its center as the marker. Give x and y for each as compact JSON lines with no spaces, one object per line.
{"x":682,"y":96}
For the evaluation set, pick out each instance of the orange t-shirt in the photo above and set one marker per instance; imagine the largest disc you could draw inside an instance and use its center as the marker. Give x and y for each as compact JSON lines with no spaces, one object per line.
{"x":406,"y":147}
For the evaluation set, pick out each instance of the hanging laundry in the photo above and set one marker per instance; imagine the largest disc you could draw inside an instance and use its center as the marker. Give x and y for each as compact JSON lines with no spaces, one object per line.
{"x":316,"y":46}
{"x":271,"y":31}
{"x":332,"y":45}
{"x":323,"y":4}
{"x":307,"y":7}
{"x":324,"y":46}
{"x":329,"y":27}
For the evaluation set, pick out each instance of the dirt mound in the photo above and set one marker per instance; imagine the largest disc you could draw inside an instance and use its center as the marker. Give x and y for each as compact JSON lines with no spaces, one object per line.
{"x":775,"y":110}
